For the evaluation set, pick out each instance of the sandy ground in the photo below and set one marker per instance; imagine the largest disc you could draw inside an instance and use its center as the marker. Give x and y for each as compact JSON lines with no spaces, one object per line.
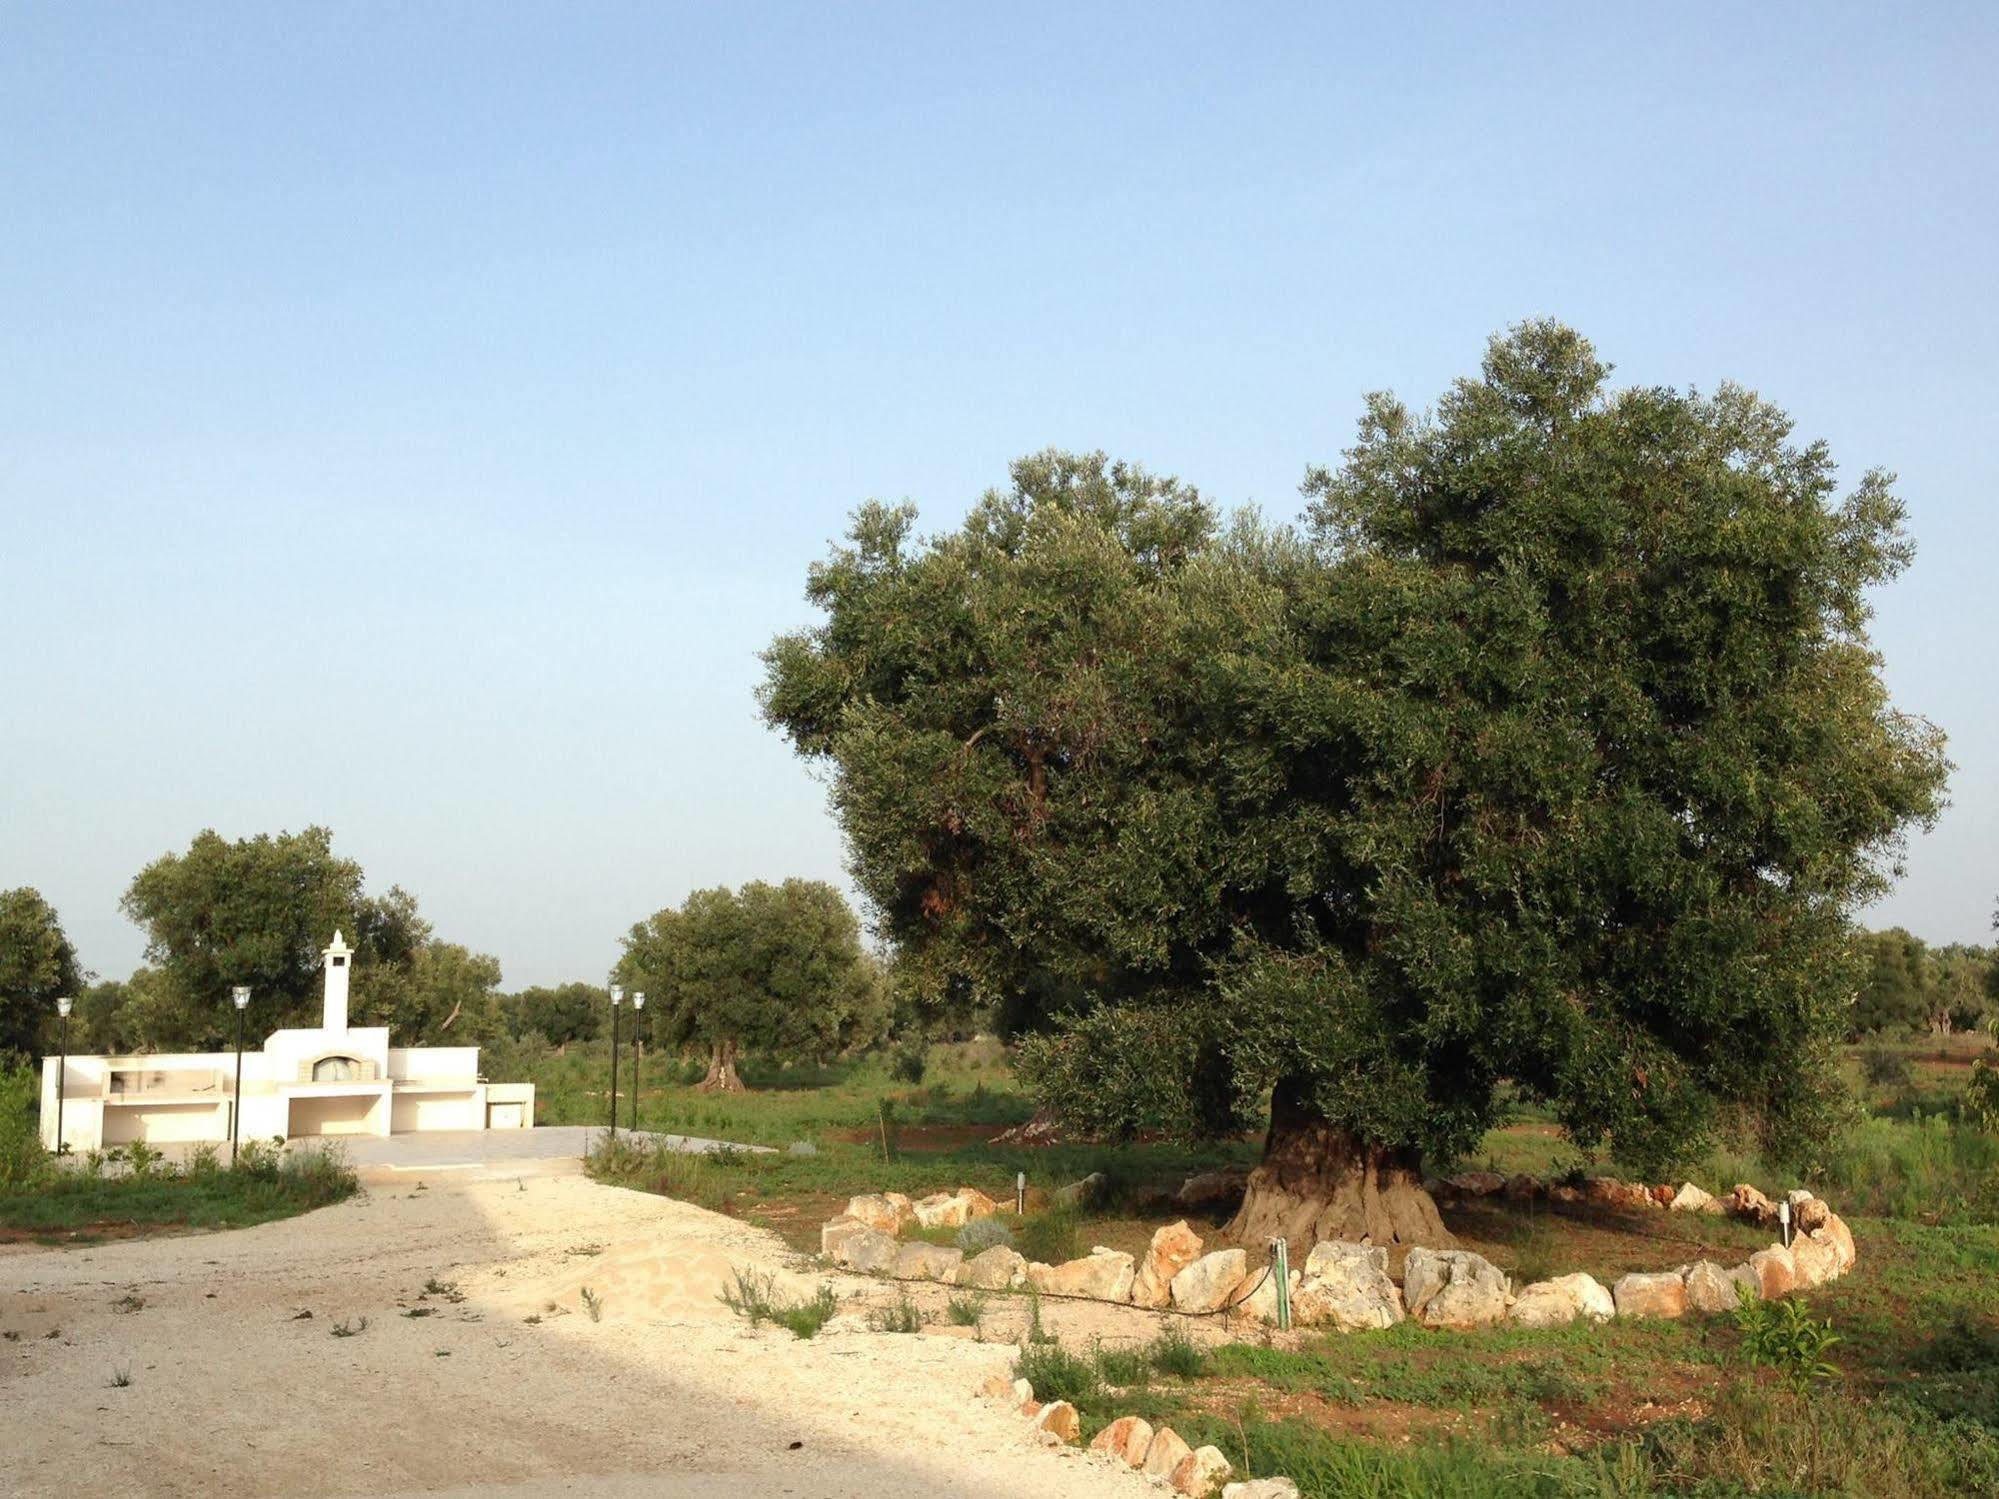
{"x":233,"y":1392}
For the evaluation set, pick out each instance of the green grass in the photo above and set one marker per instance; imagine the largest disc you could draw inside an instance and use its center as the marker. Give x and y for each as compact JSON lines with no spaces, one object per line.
{"x":74,"y":1205}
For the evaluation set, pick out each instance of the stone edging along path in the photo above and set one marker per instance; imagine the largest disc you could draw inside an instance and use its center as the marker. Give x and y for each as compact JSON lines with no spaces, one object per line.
{"x":1341,"y":1285}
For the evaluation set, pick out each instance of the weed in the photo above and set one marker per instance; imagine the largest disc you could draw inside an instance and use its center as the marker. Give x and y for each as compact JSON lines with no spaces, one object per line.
{"x":421,"y":1311}
{"x":120,"y":1378}
{"x":755,"y":1296}
{"x":131,"y":1301}
{"x":448,"y":1289}
{"x":900,"y":1315}
{"x":593,"y":1304}
{"x":965,"y":1309}
{"x":1050,"y":1237}
{"x":1036,"y":1333}
{"x":533,"y":1319}
{"x":1058,"y":1374}
{"x":350,"y":1329}
{"x":1174,"y":1353}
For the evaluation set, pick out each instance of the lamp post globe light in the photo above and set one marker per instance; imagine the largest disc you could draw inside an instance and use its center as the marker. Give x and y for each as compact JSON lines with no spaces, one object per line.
{"x":63,"y":1007}
{"x":240,"y":996}
{"x":617,"y":996}
{"x":638,"y":1051}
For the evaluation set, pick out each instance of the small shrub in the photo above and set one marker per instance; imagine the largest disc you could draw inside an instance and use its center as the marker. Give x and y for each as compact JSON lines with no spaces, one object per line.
{"x":966,"y":1309}
{"x":143,"y":1159}
{"x":1058,"y":1374}
{"x":593,"y":1304}
{"x":1050,"y":1237}
{"x":1781,"y":1334}
{"x":982,"y":1234}
{"x":120,"y":1378}
{"x":754,"y":1296}
{"x":900,"y":1315}
{"x":1981,"y":1096}
{"x":204,"y":1161}
{"x":1122,"y":1366}
{"x":1884,"y":1067}
{"x":1174,"y":1353}
{"x":909,"y":1063}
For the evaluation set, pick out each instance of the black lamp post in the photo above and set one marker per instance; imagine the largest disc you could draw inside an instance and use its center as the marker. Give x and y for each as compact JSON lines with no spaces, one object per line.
{"x":617,"y":994}
{"x":638,"y":1052}
{"x":63,"y":1007}
{"x":241,"y":995}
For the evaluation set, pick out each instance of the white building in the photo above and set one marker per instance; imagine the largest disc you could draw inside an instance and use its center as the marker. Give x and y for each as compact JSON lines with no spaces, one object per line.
{"x":334,"y":1080}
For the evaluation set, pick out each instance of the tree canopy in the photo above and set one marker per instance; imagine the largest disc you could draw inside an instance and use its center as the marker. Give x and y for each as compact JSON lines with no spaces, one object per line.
{"x":259,"y":911}
{"x":38,"y":966}
{"x":1551,"y":748}
{"x":774,"y":970}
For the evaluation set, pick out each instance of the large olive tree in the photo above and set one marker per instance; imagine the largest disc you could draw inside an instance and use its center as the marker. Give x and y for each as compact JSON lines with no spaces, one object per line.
{"x":1551,"y":749}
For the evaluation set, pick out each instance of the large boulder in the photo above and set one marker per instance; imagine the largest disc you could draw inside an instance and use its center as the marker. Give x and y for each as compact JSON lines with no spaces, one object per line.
{"x":1085,"y":1193}
{"x":1165,"y":1452}
{"x":1816,"y":1257}
{"x":869,"y":1251}
{"x":1475,"y":1183}
{"x":1199,"y":1473}
{"x":1453,"y":1288}
{"x":1609,"y":1192}
{"x":1059,"y":1418}
{"x":1102,"y":1275}
{"x":1126,"y":1439}
{"x":1658,"y":1295}
{"x":1347,"y":1286}
{"x":920,"y":1261}
{"x":1558,"y":1302}
{"x":942,"y":1210}
{"x":1208,"y":1283}
{"x":996,"y":1269}
{"x":1215,"y":1189}
{"x":1835,"y":1229}
{"x":885,"y":1212}
{"x":836,"y":1231}
{"x":1712,"y":1289}
{"x":1691,"y":1199}
{"x":1172,"y":1250}
{"x":1747,"y":1203}
{"x":1775,"y":1271}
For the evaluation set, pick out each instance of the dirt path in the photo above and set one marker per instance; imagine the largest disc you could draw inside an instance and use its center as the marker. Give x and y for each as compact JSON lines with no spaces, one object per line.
{"x":669,"y":1394}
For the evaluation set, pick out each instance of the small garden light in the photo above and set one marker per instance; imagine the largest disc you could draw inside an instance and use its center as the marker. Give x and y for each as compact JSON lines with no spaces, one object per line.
{"x":638,"y":1051}
{"x":240,"y":995}
{"x":617,"y":998}
{"x":63,"y":1007}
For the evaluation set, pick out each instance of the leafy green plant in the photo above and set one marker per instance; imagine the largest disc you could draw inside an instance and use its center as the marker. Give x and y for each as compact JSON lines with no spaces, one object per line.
{"x":1782,"y":1335}
{"x":754,"y":1296}
{"x":1174,"y":1353}
{"x":1981,"y":1096}
{"x":1058,"y":1374}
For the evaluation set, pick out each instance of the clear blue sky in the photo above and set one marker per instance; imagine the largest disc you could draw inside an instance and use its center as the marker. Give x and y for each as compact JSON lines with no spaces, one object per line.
{"x":415,"y":418}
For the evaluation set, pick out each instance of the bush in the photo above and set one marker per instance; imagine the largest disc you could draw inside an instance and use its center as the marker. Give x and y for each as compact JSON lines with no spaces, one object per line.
{"x":982,"y":1234}
{"x":1050,"y":1237}
{"x":755,"y":1297}
{"x":1058,"y":1374}
{"x":908,"y":1064}
{"x":23,"y":1161}
{"x":1885,"y":1067}
{"x":1981,"y":1097}
{"x":1781,"y":1335}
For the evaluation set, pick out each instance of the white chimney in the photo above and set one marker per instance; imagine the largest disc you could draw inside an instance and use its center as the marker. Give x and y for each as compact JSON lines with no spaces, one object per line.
{"x":337,"y":956}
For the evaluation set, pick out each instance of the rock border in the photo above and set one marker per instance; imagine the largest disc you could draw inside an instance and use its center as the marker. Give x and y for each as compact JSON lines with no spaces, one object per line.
{"x":1347,"y":1286}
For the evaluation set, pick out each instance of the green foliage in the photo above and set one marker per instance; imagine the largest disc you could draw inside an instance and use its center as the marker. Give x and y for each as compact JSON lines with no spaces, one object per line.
{"x":1174,"y":1353}
{"x":266,"y":1184}
{"x":257,"y":911}
{"x":1910,"y":986}
{"x":559,"y":1015}
{"x":1884,"y":1067}
{"x":1049,"y":1236}
{"x":754,"y":1296}
{"x":1552,"y":748}
{"x":1981,"y":1096}
{"x":23,"y":1161}
{"x":965,"y":1309}
{"x":37,"y":967}
{"x":777,"y":970}
{"x":1781,"y":1335}
{"x":1058,"y":1374}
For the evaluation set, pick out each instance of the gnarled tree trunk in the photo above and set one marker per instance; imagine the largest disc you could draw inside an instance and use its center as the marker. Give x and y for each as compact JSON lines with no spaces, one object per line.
{"x":1317,"y":1181}
{"x":721,"y":1076}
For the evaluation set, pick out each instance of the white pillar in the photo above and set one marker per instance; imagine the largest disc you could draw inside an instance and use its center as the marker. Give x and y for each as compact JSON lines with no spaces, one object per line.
{"x":337,"y":957}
